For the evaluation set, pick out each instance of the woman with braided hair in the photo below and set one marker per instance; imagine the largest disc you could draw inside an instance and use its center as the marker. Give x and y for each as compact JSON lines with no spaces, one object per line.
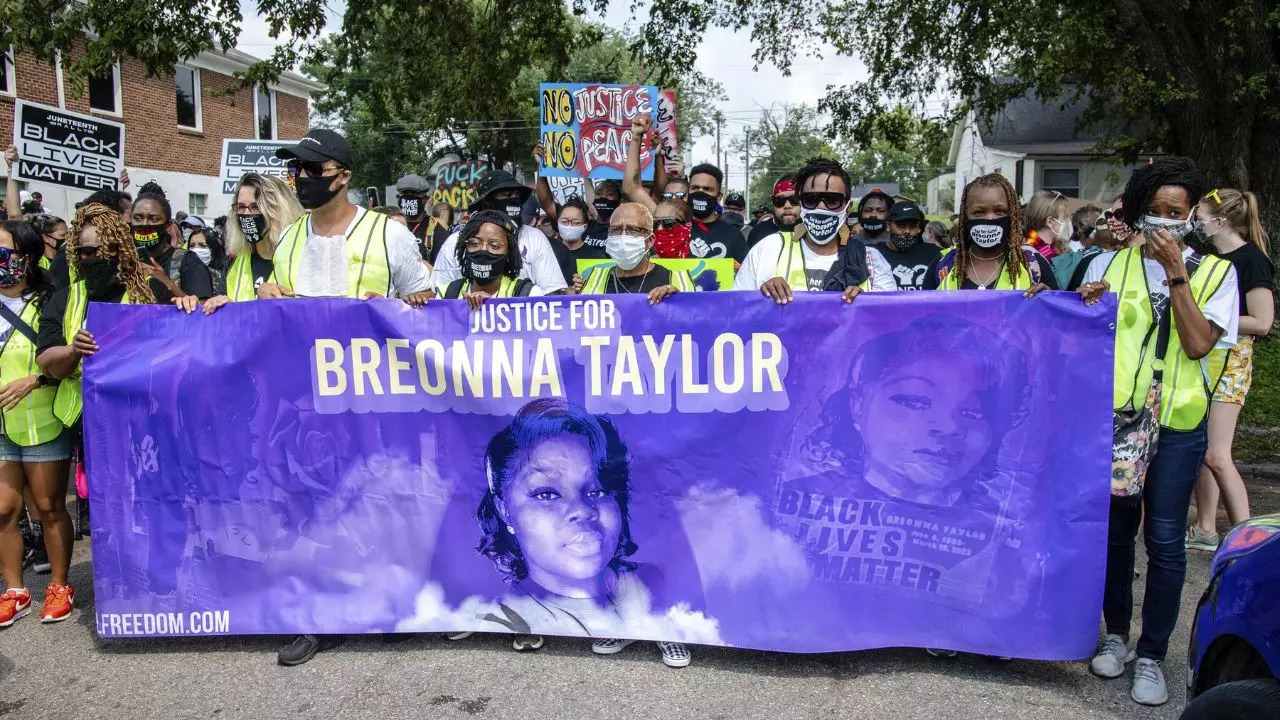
{"x":989,"y":252}
{"x":104,"y":258}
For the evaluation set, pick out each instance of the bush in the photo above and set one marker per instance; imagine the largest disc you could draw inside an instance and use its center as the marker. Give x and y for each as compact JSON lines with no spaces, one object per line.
{"x":1262,"y":407}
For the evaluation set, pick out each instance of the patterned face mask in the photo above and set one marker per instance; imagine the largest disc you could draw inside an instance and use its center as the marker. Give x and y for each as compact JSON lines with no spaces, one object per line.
{"x":12,"y":268}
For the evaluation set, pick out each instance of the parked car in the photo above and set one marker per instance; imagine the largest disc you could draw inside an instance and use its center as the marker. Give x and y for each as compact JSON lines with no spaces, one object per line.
{"x":1235,"y":642}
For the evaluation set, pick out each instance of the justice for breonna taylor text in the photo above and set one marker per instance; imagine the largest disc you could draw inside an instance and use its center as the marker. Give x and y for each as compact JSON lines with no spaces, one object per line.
{"x":513,"y":351}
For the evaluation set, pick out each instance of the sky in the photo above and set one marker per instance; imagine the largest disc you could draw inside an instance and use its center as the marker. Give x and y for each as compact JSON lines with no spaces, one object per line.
{"x":724,"y":55}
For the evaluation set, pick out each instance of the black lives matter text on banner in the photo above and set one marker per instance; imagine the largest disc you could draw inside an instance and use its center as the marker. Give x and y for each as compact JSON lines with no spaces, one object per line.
{"x":250,"y":156}
{"x":65,"y":148}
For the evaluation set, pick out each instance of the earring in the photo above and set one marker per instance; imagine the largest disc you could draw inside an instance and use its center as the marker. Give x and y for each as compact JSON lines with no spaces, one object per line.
{"x":511,"y":530}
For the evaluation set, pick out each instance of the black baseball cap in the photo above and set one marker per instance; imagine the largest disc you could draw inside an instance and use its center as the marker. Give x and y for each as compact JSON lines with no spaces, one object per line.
{"x":875,"y":193}
{"x":318,"y":145}
{"x":494,"y":180}
{"x":905,"y":210}
{"x":735,"y":199}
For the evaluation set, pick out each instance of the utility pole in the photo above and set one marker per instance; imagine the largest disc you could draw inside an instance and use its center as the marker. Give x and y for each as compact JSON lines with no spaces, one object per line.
{"x":747,"y":171}
{"x":719,"y":118}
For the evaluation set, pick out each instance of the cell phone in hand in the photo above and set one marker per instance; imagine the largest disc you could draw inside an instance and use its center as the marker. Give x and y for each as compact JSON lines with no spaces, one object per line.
{"x":371,"y":193}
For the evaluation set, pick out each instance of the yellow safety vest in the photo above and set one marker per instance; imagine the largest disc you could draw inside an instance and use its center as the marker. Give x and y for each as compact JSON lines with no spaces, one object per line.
{"x":240,"y":285}
{"x":32,"y":421}
{"x":953,"y":281}
{"x":790,"y":265}
{"x":45,"y":262}
{"x":68,"y":402}
{"x":368,"y":266}
{"x":597,"y":280}
{"x":506,"y":288}
{"x":1184,"y":400}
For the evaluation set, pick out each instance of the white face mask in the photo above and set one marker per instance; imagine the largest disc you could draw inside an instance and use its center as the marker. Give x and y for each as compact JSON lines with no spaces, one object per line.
{"x":571,"y":233}
{"x":204,"y":253}
{"x":1064,"y":231}
{"x":822,"y":226}
{"x":626,"y":250}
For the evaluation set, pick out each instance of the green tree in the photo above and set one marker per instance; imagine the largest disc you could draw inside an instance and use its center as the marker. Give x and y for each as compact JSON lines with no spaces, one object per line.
{"x":780,"y":143}
{"x":903,"y":148}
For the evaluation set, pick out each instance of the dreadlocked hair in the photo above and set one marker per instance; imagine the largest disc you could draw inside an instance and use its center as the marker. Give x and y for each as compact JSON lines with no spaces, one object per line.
{"x":1162,"y":172}
{"x":116,"y":240}
{"x":816,"y":166}
{"x":1015,"y":261}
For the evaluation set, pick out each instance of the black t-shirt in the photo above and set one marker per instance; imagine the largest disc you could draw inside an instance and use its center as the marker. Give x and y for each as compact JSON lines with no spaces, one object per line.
{"x":1253,"y":270}
{"x":911,"y":266}
{"x":1046,"y":275}
{"x":717,"y":240}
{"x":59,"y":270}
{"x":50,"y":333}
{"x":596,"y":235}
{"x":193,"y":278}
{"x":655,"y":278}
{"x":568,"y":259}
{"x":437,"y":241}
{"x":762,"y":230}
{"x":261,"y":269}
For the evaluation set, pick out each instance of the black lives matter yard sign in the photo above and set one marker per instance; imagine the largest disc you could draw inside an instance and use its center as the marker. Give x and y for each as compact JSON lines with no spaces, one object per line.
{"x":66,"y":148}
{"x":251,"y":156}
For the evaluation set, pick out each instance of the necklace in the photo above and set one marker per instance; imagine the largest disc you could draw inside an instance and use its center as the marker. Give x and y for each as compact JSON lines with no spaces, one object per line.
{"x":982,"y":284}
{"x":619,"y":288}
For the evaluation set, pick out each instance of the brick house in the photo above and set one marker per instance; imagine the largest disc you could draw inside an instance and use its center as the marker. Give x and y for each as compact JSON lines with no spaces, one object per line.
{"x":174,"y":126}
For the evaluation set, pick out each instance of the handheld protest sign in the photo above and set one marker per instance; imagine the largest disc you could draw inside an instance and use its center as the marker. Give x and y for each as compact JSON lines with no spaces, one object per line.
{"x":586,"y":128}
{"x":66,"y":148}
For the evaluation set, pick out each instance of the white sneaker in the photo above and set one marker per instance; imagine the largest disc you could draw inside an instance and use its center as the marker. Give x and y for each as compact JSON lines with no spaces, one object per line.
{"x":458,"y":635}
{"x":525,"y":643}
{"x":675,"y":655}
{"x":1148,"y":683}
{"x":1111,"y":658}
{"x":609,"y":646}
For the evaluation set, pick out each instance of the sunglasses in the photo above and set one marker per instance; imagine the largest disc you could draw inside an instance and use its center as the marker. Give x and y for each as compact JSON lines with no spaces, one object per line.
{"x":308,"y":168}
{"x":85,"y":252}
{"x":674,"y":195}
{"x":780,"y":202}
{"x":829,"y":200}
{"x":666,"y":223}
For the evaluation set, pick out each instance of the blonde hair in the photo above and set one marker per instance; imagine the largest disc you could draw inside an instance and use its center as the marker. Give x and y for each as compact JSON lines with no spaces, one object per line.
{"x":1045,"y":205}
{"x":1241,"y":211}
{"x":276,"y":200}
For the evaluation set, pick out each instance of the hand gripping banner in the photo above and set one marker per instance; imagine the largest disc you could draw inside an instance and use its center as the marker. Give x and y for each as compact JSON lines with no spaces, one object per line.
{"x":914,"y":469}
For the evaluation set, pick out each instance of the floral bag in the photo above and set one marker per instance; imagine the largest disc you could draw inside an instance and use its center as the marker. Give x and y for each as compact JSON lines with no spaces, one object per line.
{"x":1137,"y":432}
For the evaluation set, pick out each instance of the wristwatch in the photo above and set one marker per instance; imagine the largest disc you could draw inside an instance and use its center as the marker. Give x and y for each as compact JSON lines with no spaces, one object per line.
{"x":42,"y":380}
{"x":1174,"y":282}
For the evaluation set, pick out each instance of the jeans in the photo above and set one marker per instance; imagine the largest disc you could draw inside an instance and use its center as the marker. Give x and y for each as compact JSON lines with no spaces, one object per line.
{"x":1167,"y":496}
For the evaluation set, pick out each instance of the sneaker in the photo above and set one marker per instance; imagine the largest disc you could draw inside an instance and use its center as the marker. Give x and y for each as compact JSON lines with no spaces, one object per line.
{"x":28,"y":557}
{"x":58,"y":601}
{"x":1198,"y":539}
{"x":304,"y":647}
{"x":935,"y":652}
{"x":1111,"y":658}
{"x":458,"y":635}
{"x":14,"y":604}
{"x":609,"y":646}
{"x":675,"y":655}
{"x":527,"y":643}
{"x":1148,"y":683}
{"x":40,"y":563}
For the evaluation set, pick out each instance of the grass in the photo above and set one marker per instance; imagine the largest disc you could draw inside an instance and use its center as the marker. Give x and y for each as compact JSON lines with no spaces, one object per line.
{"x":1259,"y":431}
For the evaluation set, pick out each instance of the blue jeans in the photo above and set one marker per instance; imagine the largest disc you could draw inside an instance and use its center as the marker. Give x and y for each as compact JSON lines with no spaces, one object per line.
{"x":1170,"y":481}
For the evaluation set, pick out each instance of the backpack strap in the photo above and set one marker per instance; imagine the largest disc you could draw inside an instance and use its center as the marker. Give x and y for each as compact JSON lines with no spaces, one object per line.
{"x":454,"y":291}
{"x":175,"y":265}
{"x":523,"y":287}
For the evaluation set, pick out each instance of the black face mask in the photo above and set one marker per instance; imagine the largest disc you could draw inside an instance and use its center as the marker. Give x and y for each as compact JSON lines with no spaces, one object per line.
{"x":411,"y":206}
{"x":99,"y":277}
{"x":605,"y":208}
{"x":873,"y":227}
{"x":483,"y":267}
{"x":254,"y":227}
{"x":903,"y":243}
{"x":146,"y":237}
{"x":988,"y":234}
{"x":315,"y":192}
{"x":704,"y":205}
{"x":509,"y":207}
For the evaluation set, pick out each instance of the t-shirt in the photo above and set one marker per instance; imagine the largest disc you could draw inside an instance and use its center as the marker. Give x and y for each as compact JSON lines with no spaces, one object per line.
{"x":58,"y":268}
{"x":911,"y":266}
{"x":1222,"y":309}
{"x":762,"y":264}
{"x":323,"y":263}
{"x":597,"y":234}
{"x":1253,"y":271}
{"x":540,"y":264}
{"x":762,"y":230}
{"x":717,"y":240}
{"x":193,"y":278}
{"x":50,"y":333}
{"x":655,"y":278}
{"x":261,"y":268}
{"x":568,"y":259}
{"x":1043,"y":268}
{"x":15,"y":305}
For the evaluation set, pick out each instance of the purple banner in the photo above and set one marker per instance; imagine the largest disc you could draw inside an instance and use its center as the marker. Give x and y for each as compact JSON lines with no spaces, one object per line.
{"x":916,"y":469}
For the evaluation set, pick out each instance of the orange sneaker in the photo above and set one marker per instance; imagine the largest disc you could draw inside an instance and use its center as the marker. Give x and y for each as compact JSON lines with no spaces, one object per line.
{"x":58,"y":601}
{"x":14,"y":604}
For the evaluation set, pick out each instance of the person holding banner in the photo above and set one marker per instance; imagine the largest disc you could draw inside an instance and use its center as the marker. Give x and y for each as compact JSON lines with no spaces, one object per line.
{"x":1177,"y":305}
{"x":35,"y":448}
{"x":489,"y":256}
{"x":340,"y":249}
{"x":499,"y":190}
{"x":264,"y":207}
{"x":989,"y":252}
{"x":631,"y":239}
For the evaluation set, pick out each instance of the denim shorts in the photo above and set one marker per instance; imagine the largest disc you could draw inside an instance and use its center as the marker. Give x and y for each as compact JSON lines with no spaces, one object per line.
{"x":56,"y":449}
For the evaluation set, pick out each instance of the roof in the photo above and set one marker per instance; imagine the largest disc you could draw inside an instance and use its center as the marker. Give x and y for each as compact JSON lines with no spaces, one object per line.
{"x":233,"y":60}
{"x":1030,"y":125}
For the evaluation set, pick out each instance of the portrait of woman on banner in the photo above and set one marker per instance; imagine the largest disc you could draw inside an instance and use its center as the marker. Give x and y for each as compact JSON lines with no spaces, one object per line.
{"x":556,"y":524}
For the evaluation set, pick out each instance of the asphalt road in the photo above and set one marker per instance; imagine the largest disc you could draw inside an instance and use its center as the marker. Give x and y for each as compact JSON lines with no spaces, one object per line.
{"x":64,"y":671}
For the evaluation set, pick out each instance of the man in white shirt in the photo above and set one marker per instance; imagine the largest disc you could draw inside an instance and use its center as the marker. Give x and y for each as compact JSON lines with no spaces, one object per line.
{"x":341,"y":238}
{"x":499,"y":190}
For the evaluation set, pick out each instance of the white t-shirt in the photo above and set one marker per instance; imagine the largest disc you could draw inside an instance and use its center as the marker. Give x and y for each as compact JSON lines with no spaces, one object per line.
{"x":1222,"y":309}
{"x":540,"y":264}
{"x":322,"y":264}
{"x":761,"y":265}
{"x":16,"y":304}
